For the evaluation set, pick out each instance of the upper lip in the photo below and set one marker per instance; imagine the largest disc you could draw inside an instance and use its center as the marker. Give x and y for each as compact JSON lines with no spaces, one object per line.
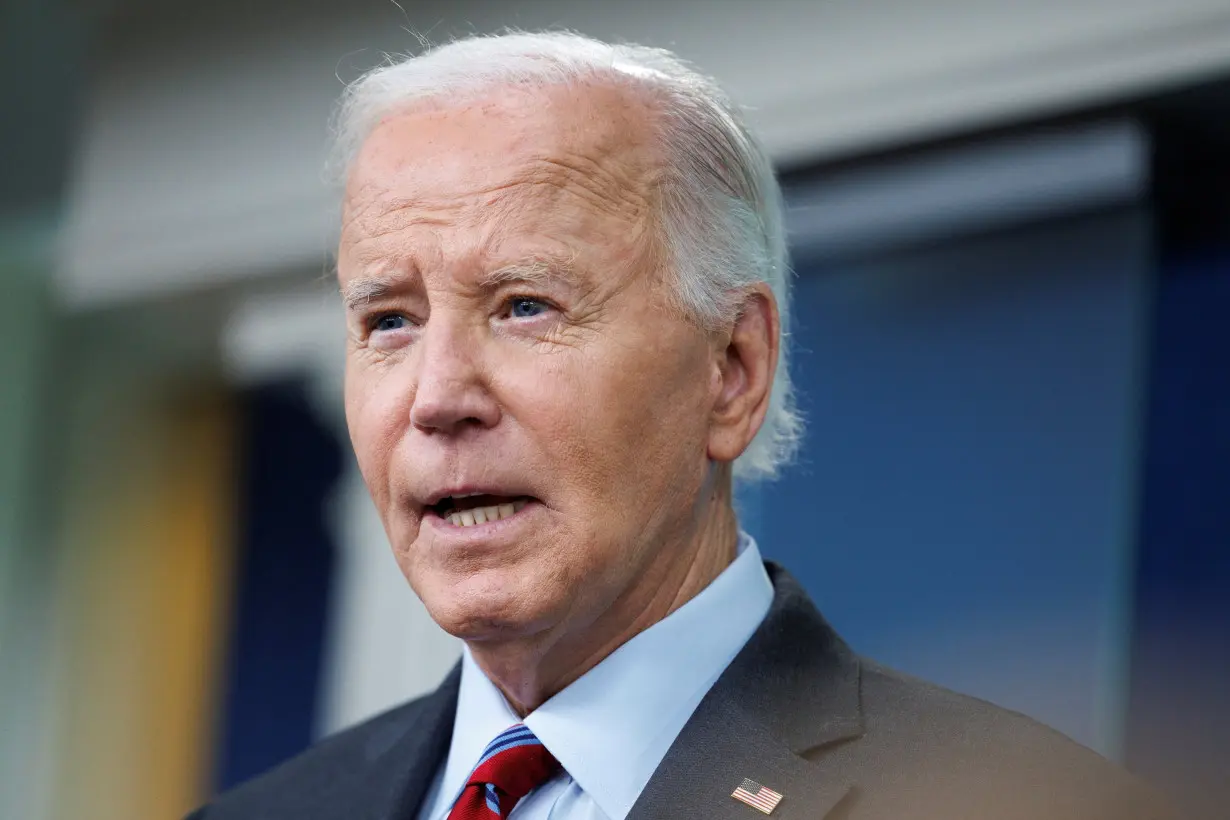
{"x":463,"y":490}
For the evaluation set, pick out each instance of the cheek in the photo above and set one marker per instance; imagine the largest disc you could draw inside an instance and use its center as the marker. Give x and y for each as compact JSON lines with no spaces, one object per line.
{"x":623,"y":419}
{"x":550,"y":400}
{"x":373,"y":411}
{"x":665,"y":426}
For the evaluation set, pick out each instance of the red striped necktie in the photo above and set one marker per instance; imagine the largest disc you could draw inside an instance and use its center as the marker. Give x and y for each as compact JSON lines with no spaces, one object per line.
{"x":511,"y":766}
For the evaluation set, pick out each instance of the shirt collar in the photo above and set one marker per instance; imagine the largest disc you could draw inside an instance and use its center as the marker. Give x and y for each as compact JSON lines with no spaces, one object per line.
{"x":612,"y":726}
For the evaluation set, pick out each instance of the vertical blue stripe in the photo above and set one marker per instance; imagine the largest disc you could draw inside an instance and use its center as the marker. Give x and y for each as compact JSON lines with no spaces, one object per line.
{"x":1180,"y":704}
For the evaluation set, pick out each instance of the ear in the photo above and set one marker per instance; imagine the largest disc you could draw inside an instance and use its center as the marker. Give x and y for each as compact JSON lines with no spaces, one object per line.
{"x":745,"y":369}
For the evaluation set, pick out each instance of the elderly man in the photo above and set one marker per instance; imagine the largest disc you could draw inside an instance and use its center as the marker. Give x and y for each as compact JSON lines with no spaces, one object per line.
{"x":566,"y":286}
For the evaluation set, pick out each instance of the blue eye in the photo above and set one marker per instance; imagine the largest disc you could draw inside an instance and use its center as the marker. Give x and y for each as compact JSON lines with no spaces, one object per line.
{"x":524,"y":308}
{"x":388,"y":322}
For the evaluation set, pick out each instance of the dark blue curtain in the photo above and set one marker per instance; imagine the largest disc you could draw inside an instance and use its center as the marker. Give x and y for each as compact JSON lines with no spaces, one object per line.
{"x":286,"y":558}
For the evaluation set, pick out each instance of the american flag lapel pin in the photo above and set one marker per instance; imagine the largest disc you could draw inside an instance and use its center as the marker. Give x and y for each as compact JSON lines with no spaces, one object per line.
{"x":760,"y":798}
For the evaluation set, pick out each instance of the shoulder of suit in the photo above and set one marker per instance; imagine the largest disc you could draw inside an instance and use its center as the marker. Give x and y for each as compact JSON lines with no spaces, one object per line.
{"x":346,"y":754}
{"x":931,"y":737}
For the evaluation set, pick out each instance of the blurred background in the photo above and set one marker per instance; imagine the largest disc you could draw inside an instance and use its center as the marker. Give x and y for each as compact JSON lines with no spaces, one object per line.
{"x":1011,"y":229}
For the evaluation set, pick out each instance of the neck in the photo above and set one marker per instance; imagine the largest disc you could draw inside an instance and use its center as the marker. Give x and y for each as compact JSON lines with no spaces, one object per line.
{"x":530,"y":671}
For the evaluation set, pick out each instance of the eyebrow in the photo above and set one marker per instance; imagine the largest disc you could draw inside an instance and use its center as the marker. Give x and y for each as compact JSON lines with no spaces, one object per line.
{"x":359,"y":292}
{"x":532,"y":270}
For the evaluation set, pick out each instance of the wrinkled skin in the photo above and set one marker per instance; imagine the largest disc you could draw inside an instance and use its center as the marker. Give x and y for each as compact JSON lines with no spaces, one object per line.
{"x":511,"y":330}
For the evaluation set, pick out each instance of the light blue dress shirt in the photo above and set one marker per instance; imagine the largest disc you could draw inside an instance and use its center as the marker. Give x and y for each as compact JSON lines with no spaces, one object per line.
{"x":611,"y":727}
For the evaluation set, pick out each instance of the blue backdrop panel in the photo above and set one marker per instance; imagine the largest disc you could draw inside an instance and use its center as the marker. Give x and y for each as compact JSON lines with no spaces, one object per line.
{"x":962,"y":507}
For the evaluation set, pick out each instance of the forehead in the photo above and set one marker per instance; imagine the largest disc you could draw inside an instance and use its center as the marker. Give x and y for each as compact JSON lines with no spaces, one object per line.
{"x":585,"y":145}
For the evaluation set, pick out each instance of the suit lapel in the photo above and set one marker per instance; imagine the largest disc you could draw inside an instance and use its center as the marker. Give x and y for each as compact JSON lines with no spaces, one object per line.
{"x":793,"y":689}
{"x":403,"y":770}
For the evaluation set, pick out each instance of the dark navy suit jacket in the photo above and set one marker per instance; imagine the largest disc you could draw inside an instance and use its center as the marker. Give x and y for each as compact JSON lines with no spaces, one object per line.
{"x":840,"y":737}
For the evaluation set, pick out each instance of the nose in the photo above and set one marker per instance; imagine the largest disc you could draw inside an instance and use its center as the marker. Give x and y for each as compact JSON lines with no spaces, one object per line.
{"x":452,"y":392}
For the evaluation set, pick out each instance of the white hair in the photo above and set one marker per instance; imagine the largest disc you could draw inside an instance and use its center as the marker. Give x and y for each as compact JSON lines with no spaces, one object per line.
{"x":720,"y":201}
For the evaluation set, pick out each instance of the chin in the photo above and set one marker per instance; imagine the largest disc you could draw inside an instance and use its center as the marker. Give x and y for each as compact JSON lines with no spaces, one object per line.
{"x":484,"y":608}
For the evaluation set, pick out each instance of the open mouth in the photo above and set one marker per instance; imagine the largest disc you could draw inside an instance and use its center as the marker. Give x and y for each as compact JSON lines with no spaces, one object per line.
{"x":470,"y":510}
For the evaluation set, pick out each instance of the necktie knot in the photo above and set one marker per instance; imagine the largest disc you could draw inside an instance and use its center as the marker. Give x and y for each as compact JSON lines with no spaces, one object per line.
{"x":511,"y":766}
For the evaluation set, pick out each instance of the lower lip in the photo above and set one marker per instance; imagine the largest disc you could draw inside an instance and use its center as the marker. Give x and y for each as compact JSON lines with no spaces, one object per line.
{"x":443,"y":527}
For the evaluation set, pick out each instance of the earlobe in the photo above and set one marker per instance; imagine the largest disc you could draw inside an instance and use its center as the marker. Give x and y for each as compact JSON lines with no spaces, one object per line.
{"x":749,"y":363}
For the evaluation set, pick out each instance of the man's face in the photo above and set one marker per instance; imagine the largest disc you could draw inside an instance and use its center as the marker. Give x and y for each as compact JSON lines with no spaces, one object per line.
{"x":514,"y":356}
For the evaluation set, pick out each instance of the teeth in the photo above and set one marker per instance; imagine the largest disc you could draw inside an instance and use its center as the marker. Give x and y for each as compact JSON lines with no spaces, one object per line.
{"x":482,"y":515}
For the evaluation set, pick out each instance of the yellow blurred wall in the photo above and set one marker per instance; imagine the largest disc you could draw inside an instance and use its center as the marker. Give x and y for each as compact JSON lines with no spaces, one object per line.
{"x":144,"y":582}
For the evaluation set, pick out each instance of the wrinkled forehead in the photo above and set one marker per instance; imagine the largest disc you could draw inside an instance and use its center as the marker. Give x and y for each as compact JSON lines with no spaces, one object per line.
{"x":593,"y":137}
